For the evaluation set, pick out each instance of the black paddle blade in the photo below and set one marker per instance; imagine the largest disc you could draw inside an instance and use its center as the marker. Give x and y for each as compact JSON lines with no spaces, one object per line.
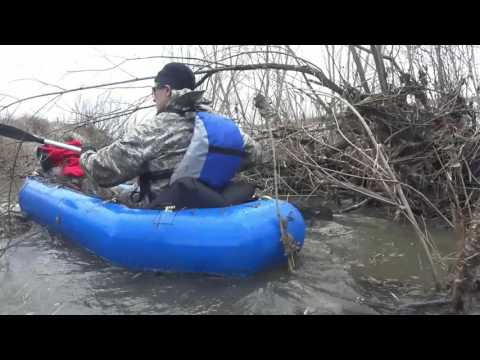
{"x":17,"y":134}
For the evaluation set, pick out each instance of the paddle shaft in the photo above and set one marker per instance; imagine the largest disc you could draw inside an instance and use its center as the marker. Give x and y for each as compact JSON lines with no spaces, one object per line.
{"x":22,"y":135}
{"x":62,"y":145}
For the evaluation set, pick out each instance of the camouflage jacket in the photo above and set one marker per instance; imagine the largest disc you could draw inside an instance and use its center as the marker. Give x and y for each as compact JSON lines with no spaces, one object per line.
{"x":155,"y":144}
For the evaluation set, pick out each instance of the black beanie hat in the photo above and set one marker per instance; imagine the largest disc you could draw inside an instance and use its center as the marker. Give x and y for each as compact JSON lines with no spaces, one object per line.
{"x":177,"y":75}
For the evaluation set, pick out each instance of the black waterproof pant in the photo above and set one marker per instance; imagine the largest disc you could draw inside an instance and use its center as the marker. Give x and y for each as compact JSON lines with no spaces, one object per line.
{"x":191,"y":194}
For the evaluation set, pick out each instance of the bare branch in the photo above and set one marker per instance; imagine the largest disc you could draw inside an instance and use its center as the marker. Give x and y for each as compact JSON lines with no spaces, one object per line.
{"x":389,"y":58}
{"x":382,"y":78}
{"x":302,"y":69}
{"x":360,"y":70}
{"x":74,"y":90}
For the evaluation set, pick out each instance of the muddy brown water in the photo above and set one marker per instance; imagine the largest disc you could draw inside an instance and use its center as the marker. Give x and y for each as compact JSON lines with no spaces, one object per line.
{"x":358,"y":263}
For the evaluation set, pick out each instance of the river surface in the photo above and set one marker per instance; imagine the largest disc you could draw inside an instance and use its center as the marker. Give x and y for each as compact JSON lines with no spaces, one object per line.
{"x":356,"y":264}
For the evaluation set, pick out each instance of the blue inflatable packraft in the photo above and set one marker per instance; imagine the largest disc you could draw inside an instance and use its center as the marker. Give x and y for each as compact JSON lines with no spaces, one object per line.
{"x":238,"y":240}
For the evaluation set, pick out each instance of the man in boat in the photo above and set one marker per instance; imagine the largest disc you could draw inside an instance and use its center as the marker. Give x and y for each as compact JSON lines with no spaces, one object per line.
{"x":186,"y":156}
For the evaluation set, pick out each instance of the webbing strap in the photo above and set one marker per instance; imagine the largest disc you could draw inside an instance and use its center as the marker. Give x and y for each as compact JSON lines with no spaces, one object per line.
{"x":225,"y":151}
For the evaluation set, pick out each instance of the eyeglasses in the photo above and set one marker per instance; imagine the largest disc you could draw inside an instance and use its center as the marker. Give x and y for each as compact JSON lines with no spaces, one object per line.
{"x":158,"y":88}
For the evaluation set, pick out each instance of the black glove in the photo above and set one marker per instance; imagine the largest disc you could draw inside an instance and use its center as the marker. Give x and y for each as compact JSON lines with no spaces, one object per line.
{"x":44,"y":159}
{"x":39,"y":152}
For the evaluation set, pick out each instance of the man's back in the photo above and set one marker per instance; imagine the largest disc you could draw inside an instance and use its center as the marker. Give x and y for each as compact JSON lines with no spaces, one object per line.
{"x":149,"y":144}
{"x":155,"y":145}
